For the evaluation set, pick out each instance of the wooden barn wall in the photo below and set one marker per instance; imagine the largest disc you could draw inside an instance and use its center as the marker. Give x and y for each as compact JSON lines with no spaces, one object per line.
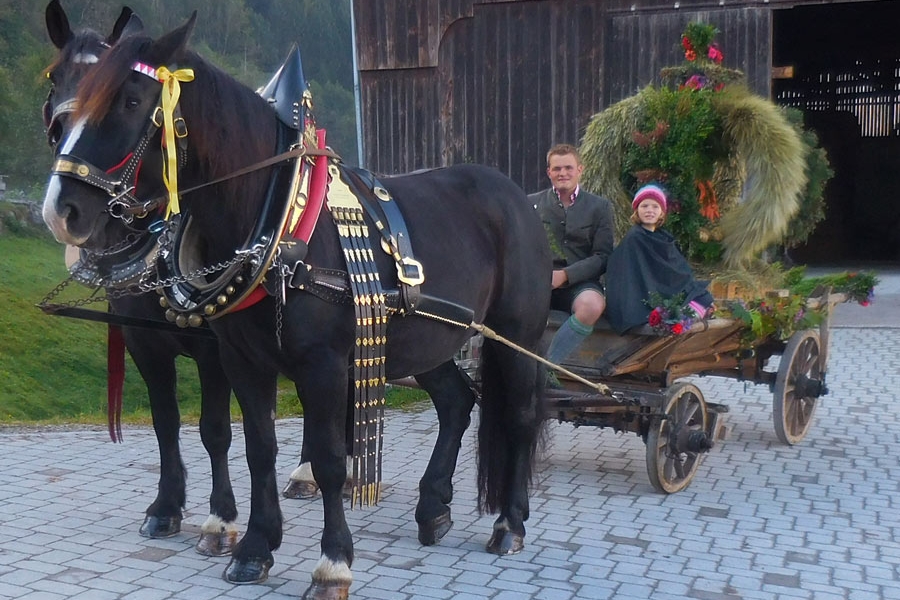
{"x":639,"y":45}
{"x":512,"y":79}
{"x":401,"y":128}
{"x":400,"y":34}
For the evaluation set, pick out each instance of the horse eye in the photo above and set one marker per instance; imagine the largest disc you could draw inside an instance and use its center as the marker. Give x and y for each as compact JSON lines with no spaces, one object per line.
{"x":131,"y":103}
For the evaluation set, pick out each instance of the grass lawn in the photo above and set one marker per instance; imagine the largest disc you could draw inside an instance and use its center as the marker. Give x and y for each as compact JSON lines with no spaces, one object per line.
{"x":53,"y":369}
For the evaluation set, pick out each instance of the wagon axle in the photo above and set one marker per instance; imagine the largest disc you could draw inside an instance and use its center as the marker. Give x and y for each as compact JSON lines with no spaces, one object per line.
{"x":808,"y":387}
{"x":686,"y":439}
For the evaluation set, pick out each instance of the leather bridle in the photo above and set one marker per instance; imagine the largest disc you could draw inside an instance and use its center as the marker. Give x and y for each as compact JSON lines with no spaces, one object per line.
{"x":123,"y":204}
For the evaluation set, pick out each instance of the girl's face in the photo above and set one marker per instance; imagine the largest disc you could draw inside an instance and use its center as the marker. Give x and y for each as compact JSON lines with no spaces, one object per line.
{"x":649,"y":211}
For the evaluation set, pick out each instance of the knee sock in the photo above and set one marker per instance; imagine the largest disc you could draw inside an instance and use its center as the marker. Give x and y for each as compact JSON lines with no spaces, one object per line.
{"x":567,"y":339}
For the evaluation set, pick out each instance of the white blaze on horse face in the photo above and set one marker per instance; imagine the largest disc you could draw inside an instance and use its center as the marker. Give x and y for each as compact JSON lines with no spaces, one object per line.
{"x":56,"y":220}
{"x":85,"y":59}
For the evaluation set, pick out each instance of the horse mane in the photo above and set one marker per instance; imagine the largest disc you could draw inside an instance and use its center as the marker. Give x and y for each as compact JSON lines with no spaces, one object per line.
{"x":100,"y":86}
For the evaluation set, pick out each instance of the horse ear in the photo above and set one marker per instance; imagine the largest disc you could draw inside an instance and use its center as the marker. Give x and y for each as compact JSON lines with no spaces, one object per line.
{"x":57,"y":24}
{"x":128,"y":23}
{"x":172,"y":43}
{"x":125,"y":26}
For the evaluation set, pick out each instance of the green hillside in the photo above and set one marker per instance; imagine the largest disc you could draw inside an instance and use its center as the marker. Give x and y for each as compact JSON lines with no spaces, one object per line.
{"x":53,"y":369}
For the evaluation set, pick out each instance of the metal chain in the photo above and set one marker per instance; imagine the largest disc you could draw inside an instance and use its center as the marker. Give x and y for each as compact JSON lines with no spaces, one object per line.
{"x":45,"y":301}
{"x":126,"y":242}
{"x":144,"y":286}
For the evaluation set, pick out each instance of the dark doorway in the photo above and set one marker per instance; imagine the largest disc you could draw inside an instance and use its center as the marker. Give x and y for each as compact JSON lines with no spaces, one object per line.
{"x":846,"y":78}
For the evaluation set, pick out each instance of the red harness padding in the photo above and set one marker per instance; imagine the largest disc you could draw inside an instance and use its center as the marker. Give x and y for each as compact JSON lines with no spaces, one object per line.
{"x":309,"y":218}
{"x":115,"y":364}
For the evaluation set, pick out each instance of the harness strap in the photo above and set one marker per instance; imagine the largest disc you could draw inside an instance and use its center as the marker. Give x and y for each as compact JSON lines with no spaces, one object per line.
{"x":296,"y":152}
{"x":333,"y":285}
{"x":395,"y":238}
{"x":369,"y":350}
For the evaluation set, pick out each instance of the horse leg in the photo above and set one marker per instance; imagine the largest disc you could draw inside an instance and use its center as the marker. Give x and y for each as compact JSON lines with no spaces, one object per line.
{"x":255,"y":386}
{"x":511,"y":428}
{"x":323,"y":389}
{"x":219,"y":533}
{"x":156,"y":364}
{"x":453,"y":400}
{"x":301,"y":484}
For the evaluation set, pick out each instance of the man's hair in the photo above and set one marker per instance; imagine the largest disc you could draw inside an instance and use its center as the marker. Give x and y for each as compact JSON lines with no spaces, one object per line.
{"x":563,"y":149}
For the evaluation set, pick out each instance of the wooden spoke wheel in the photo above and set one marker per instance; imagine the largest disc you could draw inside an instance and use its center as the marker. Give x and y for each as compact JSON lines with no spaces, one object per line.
{"x":798,"y":384}
{"x":676,"y":443}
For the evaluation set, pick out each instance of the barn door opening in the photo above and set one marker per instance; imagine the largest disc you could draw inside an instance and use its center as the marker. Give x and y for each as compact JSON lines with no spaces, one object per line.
{"x":840,"y":64}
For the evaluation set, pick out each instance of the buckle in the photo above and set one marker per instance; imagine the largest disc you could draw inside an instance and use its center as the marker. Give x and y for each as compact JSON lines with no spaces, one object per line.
{"x":180,"y":127}
{"x":410,"y":272}
{"x":157,"y":116}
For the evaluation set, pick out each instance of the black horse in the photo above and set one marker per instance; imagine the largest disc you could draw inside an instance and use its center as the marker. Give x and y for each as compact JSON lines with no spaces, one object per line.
{"x":481,"y":247}
{"x":78,"y":52}
{"x":154,"y":351}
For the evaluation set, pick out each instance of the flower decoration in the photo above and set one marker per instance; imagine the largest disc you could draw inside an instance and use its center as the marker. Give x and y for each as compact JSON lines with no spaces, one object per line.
{"x":703,"y":58}
{"x":859,"y":287}
{"x":731,"y":162}
{"x":697,"y":41}
{"x":773,"y":317}
{"x":669,"y":315}
{"x":696,"y":82}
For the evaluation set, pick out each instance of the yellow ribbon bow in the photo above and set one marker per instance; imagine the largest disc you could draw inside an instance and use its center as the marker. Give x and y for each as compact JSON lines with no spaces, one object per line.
{"x":170,"y":94}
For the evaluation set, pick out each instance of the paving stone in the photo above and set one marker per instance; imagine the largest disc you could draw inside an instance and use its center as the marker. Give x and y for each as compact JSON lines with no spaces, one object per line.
{"x":761,"y":520}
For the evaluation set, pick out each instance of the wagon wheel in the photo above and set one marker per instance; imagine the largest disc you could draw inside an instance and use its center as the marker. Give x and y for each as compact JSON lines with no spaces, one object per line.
{"x":799,"y":383}
{"x":676,"y":443}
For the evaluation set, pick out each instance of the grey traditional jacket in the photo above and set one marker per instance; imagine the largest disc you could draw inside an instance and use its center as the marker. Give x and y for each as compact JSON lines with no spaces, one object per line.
{"x":581,"y":237}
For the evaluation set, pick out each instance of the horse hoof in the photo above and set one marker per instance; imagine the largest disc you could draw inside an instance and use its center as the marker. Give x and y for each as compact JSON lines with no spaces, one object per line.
{"x":431,"y":532}
{"x":504,"y":543}
{"x":327,"y":591}
{"x":248,"y":571}
{"x":160,"y":527}
{"x":216,"y":544}
{"x":300,"y":490}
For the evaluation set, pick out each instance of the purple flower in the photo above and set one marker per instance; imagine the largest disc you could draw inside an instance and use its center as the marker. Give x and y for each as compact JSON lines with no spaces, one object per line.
{"x":696,"y":82}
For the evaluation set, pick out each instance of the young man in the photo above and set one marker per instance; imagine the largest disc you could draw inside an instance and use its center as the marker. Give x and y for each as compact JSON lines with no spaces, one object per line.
{"x":580,"y":229}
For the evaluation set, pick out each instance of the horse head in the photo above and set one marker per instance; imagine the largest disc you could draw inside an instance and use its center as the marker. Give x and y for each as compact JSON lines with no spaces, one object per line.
{"x":99,"y":158}
{"x":78,"y":52}
{"x":128,"y":150}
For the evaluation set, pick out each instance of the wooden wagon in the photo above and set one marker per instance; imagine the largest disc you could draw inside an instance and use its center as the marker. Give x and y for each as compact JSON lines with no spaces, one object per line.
{"x":640,"y":376}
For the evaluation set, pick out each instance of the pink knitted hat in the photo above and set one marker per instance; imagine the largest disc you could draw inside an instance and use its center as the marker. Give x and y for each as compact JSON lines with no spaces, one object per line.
{"x":651,"y":192}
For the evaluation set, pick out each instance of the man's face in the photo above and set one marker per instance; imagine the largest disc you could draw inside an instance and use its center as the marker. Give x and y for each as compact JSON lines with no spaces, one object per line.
{"x":564,"y":172}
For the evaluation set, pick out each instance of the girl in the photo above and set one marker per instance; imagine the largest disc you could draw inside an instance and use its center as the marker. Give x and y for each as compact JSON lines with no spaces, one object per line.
{"x":646,"y":261}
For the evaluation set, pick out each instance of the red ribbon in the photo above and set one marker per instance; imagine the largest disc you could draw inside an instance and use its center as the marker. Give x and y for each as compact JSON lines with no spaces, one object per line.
{"x":115,"y":364}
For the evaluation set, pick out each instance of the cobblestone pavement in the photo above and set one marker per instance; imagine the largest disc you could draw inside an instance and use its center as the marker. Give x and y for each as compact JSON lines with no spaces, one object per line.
{"x":761,"y":520}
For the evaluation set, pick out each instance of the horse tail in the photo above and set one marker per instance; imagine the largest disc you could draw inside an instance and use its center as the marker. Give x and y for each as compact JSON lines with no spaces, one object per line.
{"x":511,"y":427}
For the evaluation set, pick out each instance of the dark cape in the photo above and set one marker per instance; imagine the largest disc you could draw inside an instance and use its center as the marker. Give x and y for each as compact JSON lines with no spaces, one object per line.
{"x":644,"y":262}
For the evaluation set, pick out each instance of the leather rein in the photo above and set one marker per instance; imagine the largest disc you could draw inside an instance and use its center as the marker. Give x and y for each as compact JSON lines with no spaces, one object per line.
{"x":125,"y":205}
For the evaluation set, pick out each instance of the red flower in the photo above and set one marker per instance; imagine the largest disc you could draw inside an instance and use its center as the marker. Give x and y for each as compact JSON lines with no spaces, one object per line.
{"x":690,"y":55}
{"x":685,"y":43}
{"x":654,"y":318}
{"x":677,"y":328}
{"x":864,"y":303}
